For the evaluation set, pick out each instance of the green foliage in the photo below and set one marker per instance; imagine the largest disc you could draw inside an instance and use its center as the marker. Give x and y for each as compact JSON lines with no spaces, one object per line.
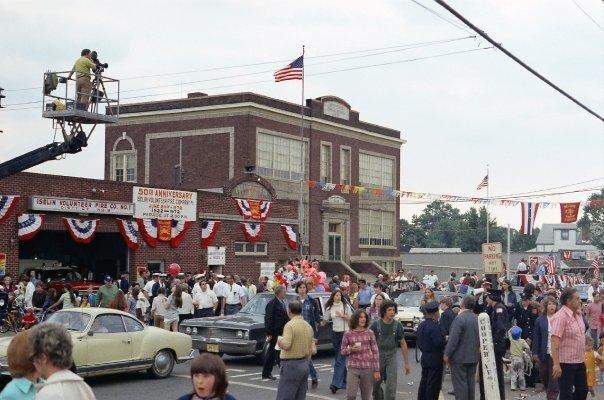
{"x":442,"y":225}
{"x":592,"y":220}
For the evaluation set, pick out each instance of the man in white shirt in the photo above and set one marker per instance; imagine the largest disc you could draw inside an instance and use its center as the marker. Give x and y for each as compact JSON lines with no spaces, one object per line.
{"x":221,"y":289}
{"x":235,"y":297}
{"x":197,"y":285}
{"x":187,"y":309}
{"x":590,"y":290}
{"x":205,"y":300}
{"x":521,"y":269}
{"x":379,"y":289}
{"x":149,"y":285}
{"x":29,"y":294}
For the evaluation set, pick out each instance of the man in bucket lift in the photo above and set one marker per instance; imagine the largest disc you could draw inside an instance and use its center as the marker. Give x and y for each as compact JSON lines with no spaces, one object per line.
{"x":82,"y":67}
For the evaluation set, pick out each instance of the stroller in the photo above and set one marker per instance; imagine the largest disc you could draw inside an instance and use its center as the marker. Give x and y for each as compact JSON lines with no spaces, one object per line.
{"x":3,"y":307}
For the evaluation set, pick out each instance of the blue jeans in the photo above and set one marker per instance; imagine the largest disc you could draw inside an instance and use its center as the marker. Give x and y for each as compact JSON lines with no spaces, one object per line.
{"x":312,"y":371}
{"x":339,"y":366}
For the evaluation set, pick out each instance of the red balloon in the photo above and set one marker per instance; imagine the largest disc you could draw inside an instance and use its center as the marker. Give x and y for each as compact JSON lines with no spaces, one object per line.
{"x":174,"y":269}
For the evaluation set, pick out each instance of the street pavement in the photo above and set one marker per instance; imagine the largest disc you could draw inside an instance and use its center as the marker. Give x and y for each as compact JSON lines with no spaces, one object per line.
{"x":245,"y":383}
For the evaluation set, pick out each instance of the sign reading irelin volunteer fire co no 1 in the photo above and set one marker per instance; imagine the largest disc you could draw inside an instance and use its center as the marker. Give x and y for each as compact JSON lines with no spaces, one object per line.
{"x":164,"y":204}
{"x":491,"y":258}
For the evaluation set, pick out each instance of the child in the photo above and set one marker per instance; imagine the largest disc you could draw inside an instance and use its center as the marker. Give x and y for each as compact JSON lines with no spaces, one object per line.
{"x":517,"y":348}
{"x":208,"y":375}
{"x":601,"y":354}
{"x":591,"y":359}
{"x":29,"y":319}
{"x":84,"y":303}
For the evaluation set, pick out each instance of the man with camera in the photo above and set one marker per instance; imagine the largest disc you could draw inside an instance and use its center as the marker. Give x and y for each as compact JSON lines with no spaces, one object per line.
{"x":82,"y":67}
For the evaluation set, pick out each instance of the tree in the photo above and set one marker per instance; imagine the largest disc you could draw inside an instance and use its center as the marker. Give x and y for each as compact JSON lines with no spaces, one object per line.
{"x":592,"y":220}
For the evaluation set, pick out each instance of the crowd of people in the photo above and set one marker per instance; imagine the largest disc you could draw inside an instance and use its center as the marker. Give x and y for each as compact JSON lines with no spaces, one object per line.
{"x":543,"y":335}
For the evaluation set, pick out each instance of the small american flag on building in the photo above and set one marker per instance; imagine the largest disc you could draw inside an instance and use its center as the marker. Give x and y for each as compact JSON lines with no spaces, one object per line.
{"x":293,"y":71}
{"x":596,"y":268}
{"x":483,"y":183}
{"x":550,"y":265}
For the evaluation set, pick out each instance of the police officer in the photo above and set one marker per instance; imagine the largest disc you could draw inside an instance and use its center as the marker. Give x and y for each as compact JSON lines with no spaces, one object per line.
{"x":431,"y":342}
{"x":498,"y":315}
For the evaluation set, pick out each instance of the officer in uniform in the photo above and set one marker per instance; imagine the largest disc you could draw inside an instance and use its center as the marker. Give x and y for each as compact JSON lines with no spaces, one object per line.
{"x":498,"y":315}
{"x":431,"y":342}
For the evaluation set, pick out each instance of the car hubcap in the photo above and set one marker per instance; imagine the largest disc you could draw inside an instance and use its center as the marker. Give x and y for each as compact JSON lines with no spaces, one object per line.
{"x":163,"y":360}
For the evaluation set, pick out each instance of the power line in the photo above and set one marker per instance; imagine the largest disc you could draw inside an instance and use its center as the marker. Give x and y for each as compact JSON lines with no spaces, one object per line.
{"x":519,"y":61}
{"x":588,"y":16}
{"x":437,"y":14}
{"x":551,"y":188}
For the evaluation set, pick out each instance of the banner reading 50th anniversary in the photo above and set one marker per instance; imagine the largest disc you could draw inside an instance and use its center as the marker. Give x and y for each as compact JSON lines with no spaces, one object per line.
{"x":151,"y":203}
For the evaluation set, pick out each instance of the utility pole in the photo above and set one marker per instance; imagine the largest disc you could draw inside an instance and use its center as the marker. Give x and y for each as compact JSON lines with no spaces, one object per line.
{"x":487,"y":208}
{"x":507,"y":264}
{"x":1,"y":97}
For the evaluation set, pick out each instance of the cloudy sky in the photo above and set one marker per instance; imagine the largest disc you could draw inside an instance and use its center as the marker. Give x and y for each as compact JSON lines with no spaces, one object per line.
{"x":457,"y":112}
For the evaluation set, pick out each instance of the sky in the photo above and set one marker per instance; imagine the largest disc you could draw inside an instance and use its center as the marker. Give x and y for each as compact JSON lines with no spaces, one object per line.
{"x":457,"y":112}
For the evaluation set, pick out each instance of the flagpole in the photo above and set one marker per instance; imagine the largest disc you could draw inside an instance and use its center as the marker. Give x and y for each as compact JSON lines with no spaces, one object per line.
{"x":488,"y":201}
{"x":302,"y":179}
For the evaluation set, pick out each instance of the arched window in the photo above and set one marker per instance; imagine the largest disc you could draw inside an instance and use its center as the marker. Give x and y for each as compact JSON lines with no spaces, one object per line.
{"x":123,"y":160}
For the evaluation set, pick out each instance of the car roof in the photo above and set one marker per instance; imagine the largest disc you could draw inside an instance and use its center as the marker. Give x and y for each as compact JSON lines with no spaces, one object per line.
{"x":94,"y":311}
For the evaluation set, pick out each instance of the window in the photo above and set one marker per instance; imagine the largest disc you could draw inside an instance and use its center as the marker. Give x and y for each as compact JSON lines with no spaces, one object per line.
{"x":108,"y":323}
{"x":325,"y":162}
{"x":376,"y":228}
{"x":376,"y":171}
{"x":279,"y":157}
{"x":132,"y":325}
{"x":124,"y":167}
{"x":345,"y":166}
{"x":564,"y":234}
{"x":250,"y":249}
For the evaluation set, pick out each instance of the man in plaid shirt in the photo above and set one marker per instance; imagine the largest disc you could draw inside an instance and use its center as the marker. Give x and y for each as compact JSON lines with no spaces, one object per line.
{"x":568,"y":347}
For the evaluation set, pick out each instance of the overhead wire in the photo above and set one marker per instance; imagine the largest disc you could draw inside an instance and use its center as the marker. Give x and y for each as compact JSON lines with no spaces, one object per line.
{"x":442,"y":17}
{"x":588,"y":16}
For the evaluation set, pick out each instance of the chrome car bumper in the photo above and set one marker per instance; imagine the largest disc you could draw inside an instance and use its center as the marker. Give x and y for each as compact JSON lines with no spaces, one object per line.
{"x":186,"y":358}
{"x":4,"y":366}
{"x":228,"y":346}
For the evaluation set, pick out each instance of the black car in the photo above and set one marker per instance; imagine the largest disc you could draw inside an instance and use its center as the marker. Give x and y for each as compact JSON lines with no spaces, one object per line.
{"x":243,"y":333}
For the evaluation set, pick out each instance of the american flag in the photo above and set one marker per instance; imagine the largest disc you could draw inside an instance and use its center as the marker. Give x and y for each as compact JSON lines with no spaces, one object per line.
{"x":292,"y":71}
{"x":550,"y":265}
{"x":596,"y":268}
{"x":483,"y":183}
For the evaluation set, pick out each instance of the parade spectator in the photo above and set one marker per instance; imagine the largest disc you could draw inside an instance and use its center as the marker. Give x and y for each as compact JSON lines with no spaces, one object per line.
{"x":362,"y":356}
{"x":518,"y":346}
{"x":133,"y":300}
{"x":221,"y":289}
{"x":521,"y":269}
{"x":39,"y":296}
{"x":462,"y":350}
{"x":353,"y":295}
{"x":9,"y":285}
{"x":447,"y":315}
{"x":431,"y":341}
{"x":339,"y":312}
{"x":124,"y":282}
{"x":262,"y":281}
{"x":173,"y":303}
{"x":187,"y":309}
{"x":593,"y":288}
{"x":275,"y":318}
{"x":365,"y":294}
{"x":568,"y":347}
{"x":148,"y":288}
{"x":451,"y":284}
{"x":92,"y":297}
{"x":158,"y":308}
{"x":297,"y":347}
{"x":51,"y":298}
{"x":310,"y":313}
{"x":119,"y":302}
{"x":235,"y":297}
{"x":205,"y":300}
{"x":374,"y":310}
{"x":143,"y":278}
{"x":251,"y":288}
{"x":541,"y":348}
{"x":209,"y":379}
{"x":142,"y":306}
{"x":335,"y":283}
{"x":30,"y":289}
{"x":428,"y":296}
{"x":509,"y":298}
{"x":51,"y":349}
{"x":84,"y":302}
{"x":22,"y":370}
{"x":67,"y":299}
{"x":378,"y":288}
{"x":159,"y":284}
{"x":592,"y":359}
{"x":390,"y":336}
{"x":107,"y":292}
{"x":593,"y":313}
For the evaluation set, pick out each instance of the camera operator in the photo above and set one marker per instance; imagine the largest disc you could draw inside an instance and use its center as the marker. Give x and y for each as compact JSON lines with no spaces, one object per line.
{"x":82,"y":67}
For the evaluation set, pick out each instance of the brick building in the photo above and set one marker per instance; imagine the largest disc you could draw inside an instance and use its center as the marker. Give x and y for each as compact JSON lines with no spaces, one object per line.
{"x":202,"y":141}
{"x":108,"y":253}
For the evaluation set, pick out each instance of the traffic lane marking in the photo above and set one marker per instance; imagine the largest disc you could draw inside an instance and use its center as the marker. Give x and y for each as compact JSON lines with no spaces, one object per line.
{"x":242,"y":375}
{"x":308,"y":394}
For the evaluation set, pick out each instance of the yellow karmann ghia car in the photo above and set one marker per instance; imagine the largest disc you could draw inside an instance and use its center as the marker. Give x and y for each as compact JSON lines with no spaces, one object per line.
{"x":107,"y":341}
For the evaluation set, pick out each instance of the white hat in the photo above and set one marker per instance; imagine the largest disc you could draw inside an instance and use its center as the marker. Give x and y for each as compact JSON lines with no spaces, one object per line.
{"x":156,"y":274}
{"x":344,"y":284}
{"x":198,"y":276}
{"x":163,"y":275}
{"x":220,"y":276}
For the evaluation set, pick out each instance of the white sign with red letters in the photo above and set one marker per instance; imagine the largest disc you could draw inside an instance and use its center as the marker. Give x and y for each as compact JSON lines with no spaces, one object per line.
{"x":79,"y":206}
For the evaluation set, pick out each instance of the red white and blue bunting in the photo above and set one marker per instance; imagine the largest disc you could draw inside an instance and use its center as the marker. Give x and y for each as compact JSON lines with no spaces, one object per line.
{"x":209,"y":230}
{"x":179,"y":228}
{"x":7,"y":204}
{"x":148,"y":230}
{"x":80,"y":230}
{"x":29,"y":225}
{"x":129,"y":230}
{"x":253,"y":209}
{"x":290,"y":236}
{"x":252,"y":231}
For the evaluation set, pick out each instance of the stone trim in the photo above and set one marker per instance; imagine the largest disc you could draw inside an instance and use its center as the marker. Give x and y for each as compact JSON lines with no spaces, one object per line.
{"x":239,"y":218}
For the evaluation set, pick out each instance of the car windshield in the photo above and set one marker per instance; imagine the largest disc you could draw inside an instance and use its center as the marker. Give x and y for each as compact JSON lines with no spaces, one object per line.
{"x":258,"y":303}
{"x":409,"y":299}
{"x":72,"y":320}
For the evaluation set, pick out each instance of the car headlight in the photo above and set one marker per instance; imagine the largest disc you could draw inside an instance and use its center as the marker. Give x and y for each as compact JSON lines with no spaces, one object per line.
{"x":240,"y":334}
{"x":194,"y":330}
{"x":246,"y":334}
{"x":188,"y":330}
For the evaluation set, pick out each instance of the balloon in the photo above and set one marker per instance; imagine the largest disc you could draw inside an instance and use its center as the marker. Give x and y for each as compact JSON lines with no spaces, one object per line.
{"x":173,"y":269}
{"x":322,"y":277}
